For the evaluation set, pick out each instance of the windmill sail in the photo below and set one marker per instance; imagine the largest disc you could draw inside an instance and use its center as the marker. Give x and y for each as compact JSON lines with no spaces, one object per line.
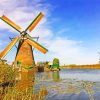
{"x":9,"y":22}
{"x":24,"y":51}
{"x":37,"y":45}
{"x":35,"y":22}
{"x":8,"y":48}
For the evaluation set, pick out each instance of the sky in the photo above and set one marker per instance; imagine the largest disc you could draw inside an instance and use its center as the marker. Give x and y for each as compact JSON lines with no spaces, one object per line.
{"x":70,"y":29}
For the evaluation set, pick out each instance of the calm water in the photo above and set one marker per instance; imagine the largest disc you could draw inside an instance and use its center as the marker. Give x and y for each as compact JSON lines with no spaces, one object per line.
{"x":70,"y":84}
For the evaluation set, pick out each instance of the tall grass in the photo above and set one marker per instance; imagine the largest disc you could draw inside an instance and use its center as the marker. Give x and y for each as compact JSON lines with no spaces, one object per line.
{"x":10,"y":89}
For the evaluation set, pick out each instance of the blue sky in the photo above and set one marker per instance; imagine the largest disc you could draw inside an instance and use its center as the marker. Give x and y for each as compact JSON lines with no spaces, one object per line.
{"x":70,"y":29}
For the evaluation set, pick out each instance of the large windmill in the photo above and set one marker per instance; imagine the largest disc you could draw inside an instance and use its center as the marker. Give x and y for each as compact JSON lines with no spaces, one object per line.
{"x":25,"y":42}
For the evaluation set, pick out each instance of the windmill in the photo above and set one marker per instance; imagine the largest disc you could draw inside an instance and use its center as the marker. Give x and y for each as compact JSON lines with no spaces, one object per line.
{"x":25,"y":42}
{"x":99,"y":57}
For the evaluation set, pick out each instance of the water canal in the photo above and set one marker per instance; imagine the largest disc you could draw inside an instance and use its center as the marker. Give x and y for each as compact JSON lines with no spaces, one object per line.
{"x":70,"y":84}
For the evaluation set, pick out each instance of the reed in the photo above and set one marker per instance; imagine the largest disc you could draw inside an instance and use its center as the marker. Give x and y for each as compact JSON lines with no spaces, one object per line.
{"x":11,"y":90}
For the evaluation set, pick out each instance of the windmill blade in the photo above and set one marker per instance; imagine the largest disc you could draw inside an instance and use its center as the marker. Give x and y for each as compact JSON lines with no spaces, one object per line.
{"x":9,"y":22}
{"x":8,"y":48}
{"x":34,"y":22}
{"x":37,"y":45}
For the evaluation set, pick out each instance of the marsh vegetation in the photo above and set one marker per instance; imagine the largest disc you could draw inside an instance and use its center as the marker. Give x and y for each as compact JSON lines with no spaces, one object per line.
{"x":14,"y":89}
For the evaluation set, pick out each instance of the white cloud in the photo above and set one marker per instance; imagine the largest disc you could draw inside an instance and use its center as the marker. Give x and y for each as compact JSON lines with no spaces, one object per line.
{"x":71,"y":51}
{"x":67,"y":50}
{"x":23,"y":15}
{"x":20,"y":12}
{"x":0,"y":43}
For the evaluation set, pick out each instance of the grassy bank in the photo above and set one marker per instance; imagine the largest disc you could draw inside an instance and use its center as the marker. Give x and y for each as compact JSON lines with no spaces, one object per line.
{"x":12,"y":89}
{"x":93,"y":66}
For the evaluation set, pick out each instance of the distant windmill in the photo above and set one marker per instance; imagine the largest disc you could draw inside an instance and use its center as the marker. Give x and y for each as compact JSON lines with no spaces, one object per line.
{"x":25,"y":42}
{"x":99,"y":57}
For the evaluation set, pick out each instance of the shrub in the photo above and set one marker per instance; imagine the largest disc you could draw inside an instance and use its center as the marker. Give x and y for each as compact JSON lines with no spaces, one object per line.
{"x":56,"y":61}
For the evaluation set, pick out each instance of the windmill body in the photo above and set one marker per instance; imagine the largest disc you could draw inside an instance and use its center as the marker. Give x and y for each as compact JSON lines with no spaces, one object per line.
{"x":24,"y":53}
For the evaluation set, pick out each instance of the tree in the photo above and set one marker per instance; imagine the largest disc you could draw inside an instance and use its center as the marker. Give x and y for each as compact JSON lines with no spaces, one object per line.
{"x":55,"y":61}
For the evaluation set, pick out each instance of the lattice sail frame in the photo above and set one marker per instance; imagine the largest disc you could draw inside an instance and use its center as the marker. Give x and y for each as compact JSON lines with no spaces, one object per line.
{"x":24,"y":52}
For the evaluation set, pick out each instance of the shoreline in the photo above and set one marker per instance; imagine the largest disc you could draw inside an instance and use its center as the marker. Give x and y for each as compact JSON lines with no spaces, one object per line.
{"x":94,"y":66}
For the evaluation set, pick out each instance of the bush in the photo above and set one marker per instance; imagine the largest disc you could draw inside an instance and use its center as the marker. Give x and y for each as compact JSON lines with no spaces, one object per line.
{"x":56,"y":61}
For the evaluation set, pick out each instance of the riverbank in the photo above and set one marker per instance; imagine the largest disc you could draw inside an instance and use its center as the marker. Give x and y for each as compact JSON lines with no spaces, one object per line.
{"x":93,"y":66}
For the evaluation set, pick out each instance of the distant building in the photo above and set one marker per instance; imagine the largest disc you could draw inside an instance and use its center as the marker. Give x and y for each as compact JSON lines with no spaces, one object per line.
{"x":40,"y":66}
